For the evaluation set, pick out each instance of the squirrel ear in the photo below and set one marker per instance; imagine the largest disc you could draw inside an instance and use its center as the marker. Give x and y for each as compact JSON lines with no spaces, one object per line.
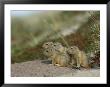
{"x":51,"y":42}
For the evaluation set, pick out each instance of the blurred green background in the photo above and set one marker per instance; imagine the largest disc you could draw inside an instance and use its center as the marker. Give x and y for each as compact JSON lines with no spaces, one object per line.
{"x":30,"y":29}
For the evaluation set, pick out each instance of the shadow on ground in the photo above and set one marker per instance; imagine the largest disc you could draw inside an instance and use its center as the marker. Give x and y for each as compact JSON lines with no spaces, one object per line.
{"x":46,"y":61}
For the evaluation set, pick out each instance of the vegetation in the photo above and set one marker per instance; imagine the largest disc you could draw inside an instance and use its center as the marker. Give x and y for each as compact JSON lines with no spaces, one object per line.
{"x":80,"y":28}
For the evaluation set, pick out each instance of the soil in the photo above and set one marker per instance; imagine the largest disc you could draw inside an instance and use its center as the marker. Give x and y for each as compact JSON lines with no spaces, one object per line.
{"x":44,"y":68}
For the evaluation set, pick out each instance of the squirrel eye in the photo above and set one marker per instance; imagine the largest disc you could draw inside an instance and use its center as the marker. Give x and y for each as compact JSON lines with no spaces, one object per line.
{"x":46,"y":51}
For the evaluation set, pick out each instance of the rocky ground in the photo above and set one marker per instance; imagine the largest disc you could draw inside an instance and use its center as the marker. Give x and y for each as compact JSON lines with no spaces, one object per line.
{"x":43,"y":68}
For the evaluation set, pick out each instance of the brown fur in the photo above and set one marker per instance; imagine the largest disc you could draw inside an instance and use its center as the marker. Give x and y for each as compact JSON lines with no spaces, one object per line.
{"x":47,"y":45}
{"x":78,"y":56}
{"x":57,"y":54}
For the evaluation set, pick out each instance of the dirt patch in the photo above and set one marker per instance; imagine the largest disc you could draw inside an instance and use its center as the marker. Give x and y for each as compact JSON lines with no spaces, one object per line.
{"x":42,"y":68}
